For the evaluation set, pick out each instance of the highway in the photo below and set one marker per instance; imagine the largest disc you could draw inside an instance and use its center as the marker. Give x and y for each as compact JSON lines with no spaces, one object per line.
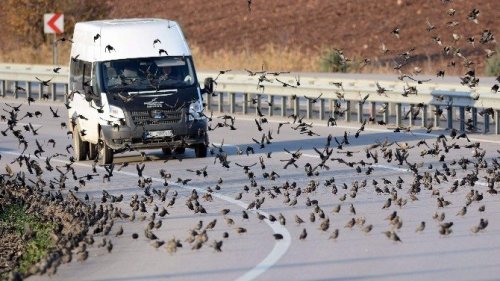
{"x":358,"y":253}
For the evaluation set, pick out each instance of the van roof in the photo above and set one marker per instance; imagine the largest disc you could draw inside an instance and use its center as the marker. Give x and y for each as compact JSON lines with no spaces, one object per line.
{"x":129,"y":38}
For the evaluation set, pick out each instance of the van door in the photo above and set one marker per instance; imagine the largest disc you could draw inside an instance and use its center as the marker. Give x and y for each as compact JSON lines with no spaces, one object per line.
{"x":81,"y":72}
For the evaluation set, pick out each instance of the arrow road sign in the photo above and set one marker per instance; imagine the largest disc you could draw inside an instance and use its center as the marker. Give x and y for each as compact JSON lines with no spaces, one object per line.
{"x":53,"y":23}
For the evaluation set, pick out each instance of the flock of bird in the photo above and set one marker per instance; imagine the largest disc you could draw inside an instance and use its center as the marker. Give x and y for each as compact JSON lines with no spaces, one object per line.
{"x":57,"y":192}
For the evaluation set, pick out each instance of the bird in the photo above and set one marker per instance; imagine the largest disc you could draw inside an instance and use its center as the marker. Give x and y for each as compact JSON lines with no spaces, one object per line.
{"x":303,"y":234}
{"x":420,"y":227}
{"x":109,"y":48}
{"x":44,"y":82}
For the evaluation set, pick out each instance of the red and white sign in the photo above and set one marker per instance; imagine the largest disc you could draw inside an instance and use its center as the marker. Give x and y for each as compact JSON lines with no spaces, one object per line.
{"x":53,"y":23}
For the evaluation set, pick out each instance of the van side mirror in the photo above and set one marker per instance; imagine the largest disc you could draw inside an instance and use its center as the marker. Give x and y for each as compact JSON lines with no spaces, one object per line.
{"x":208,"y":85}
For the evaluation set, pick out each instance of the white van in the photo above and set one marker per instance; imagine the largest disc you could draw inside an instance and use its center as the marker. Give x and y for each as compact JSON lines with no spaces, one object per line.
{"x":133,"y":85}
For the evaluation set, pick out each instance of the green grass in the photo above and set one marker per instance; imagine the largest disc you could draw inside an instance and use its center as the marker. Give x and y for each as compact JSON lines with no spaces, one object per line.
{"x":15,"y":217}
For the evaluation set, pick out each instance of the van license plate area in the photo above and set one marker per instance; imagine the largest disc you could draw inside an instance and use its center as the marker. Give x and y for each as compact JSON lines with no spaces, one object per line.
{"x":159,"y":134}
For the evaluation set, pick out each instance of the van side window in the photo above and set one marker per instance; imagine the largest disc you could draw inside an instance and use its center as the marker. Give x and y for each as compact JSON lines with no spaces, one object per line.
{"x":76,"y":72}
{"x":87,"y":72}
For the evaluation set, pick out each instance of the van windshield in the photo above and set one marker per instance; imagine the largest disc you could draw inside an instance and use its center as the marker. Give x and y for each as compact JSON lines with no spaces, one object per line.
{"x":147,"y":74}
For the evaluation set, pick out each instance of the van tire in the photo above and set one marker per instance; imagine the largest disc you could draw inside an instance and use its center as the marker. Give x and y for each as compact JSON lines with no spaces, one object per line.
{"x":180,"y":150}
{"x":200,"y":150}
{"x":105,"y":152}
{"x":80,"y":147}
{"x":166,"y":151}
{"x":93,"y":153}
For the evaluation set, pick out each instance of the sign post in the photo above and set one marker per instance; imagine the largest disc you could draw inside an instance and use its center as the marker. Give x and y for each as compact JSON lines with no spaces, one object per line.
{"x":53,"y":23}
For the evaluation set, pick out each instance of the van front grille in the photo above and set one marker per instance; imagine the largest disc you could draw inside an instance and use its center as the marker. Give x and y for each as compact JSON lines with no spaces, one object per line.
{"x":156,"y":116}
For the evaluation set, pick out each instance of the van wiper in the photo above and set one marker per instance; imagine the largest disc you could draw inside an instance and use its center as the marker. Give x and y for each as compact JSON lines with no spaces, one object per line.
{"x":125,"y":99}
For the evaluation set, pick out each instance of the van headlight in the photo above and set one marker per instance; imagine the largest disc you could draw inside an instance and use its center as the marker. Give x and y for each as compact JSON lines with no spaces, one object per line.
{"x":116,"y":112}
{"x":195,"y":110}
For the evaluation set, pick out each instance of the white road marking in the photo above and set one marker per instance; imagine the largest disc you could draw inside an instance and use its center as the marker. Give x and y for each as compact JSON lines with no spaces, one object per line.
{"x":280,"y":247}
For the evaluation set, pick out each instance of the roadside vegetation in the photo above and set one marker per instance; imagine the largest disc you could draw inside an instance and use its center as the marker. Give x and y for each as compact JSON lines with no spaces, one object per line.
{"x":493,"y":64}
{"x":24,"y":241}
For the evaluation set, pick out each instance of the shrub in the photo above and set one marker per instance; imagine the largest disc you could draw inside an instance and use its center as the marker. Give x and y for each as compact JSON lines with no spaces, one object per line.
{"x":331,"y":61}
{"x":493,"y":64}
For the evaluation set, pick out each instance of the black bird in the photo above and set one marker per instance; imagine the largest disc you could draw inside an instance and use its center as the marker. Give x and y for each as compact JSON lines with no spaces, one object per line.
{"x":156,"y":41}
{"x":44,"y":82}
{"x":140,"y":169}
{"x":97,"y":36}
{"x":54,"y":113}
{"x":313,"y":100}
{"x":109,"y":48}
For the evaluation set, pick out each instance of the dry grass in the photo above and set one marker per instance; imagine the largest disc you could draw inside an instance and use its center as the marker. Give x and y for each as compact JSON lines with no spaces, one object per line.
{"x":40,"y":55}
{"x":271,"y":57}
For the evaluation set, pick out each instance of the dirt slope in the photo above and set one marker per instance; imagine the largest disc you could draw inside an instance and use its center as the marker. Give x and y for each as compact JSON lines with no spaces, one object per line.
{"x":357,"y":27}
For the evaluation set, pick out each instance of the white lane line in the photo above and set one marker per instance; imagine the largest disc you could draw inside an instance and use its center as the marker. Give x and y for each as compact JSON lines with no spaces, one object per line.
{"x":280,"y":247}
{"x":371,"y":129}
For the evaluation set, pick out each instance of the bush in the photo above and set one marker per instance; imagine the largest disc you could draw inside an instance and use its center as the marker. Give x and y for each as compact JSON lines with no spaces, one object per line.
{"x":493,"y":64}
{"x":331,"y":61}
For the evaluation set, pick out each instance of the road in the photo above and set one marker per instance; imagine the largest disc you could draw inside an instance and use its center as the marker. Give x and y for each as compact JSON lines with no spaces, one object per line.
{"x":257,"y":255}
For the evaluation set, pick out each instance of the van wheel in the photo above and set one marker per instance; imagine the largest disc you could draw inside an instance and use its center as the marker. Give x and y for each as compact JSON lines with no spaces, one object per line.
{"x":166,"y":151}
{"x":105,"y":152}
{"x":200,"y":150}
{"x":80,"y":147}
{"x":180,"y":150}
{"x":93,"y":153}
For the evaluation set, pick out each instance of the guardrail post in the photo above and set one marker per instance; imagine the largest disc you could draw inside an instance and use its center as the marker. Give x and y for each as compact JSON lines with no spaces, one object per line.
{"x":4,"y":86}
{"x":16,"y":84}
{"x":296,"y":106}
{"x":283,"y":106}
{"x":40,"y":91}
{"x":28,"y":89}
{"x":309,"y":109}
{"x":65,"y":92}
{"x":257,"y":105}
{"x":497,"y":122}
{"x":270,"y":100}
{"x":424,"y":116}
{"x":398,"y":114}
{"x":360,"y":112}
{"x":53,"y":91}
{"x":220,"y":105}
{"x":449,"y":117}
{"x":347,"y":113}
{"x":385,"y":116}
{"x":209,"y":102}
{"x":232,"y":103}
{"x":436,"y":117}
{"x":486,"y":123}
{"x":322,"y":109}
{"x":461,"y":112}
{"x":245,"y":103}
{"x":410,"y":116}
{"x":373,"y":109}
{"x":474,"y":117}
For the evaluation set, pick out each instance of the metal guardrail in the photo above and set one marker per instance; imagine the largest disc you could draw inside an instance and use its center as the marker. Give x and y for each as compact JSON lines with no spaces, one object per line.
{"x":447,"y":101}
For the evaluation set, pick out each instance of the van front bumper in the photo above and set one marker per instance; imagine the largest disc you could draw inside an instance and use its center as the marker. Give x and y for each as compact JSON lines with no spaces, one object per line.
{"x":183,"y":135}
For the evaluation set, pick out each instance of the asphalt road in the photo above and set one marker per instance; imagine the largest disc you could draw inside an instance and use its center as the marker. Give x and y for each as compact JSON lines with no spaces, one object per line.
{"x":256,"y":254}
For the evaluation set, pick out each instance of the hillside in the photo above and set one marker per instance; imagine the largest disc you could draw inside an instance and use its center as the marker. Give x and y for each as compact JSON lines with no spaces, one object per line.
{"x":301,"y":30}
{"x":357,"y":27}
